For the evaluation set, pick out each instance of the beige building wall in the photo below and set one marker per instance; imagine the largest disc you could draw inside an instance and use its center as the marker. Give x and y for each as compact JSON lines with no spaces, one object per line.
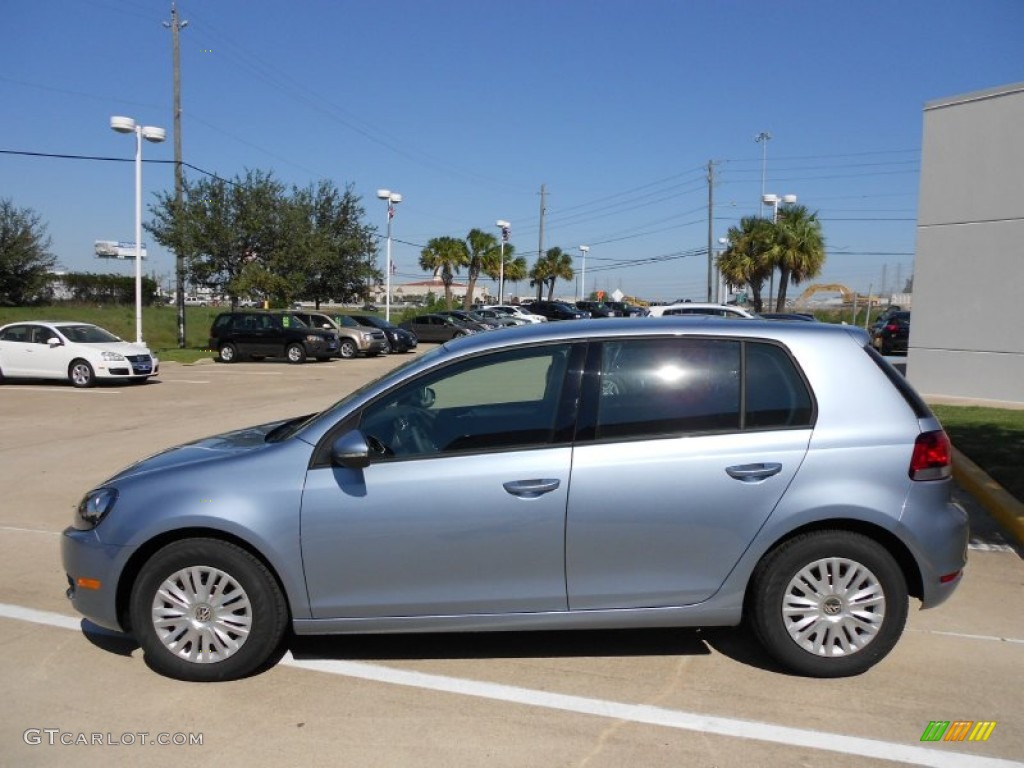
{"x":967,"y":334}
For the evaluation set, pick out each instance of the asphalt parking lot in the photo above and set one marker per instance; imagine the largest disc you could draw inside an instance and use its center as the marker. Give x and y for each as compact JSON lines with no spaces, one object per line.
{"x":646,"y":698}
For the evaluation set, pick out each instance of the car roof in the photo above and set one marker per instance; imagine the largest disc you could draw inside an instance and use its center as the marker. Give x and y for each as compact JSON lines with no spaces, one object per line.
{"x":696,"y":325}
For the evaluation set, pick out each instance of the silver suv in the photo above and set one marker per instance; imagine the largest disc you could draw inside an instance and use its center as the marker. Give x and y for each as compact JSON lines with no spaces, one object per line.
{"x":680,"y":473}
{"x":352,"y":338}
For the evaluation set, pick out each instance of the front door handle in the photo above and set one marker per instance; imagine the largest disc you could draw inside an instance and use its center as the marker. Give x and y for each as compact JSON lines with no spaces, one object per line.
{"x":753,"y":473}
{"x":530,"y":489}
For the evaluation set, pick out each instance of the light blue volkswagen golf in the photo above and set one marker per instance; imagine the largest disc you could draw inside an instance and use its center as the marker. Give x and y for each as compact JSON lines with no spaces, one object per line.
{"x":673,"y":473}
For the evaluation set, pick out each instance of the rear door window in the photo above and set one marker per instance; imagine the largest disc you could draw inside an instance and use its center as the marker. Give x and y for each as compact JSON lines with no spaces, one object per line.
{"x":673,"y":386}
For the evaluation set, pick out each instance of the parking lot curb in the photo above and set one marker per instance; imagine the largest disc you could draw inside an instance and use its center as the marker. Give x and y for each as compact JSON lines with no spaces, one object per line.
{"x":1000,"y":503}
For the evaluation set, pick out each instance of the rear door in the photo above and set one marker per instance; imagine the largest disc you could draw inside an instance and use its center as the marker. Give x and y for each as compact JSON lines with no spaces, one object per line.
{"x":684,"y":448}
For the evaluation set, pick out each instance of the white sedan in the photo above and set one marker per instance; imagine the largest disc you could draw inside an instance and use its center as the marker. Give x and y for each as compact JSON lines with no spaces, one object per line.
{"x":517,"y":311}
{"x":82,"y":353}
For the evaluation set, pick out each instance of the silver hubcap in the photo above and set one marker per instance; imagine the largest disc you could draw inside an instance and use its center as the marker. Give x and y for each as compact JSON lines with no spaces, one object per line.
{"x":202,"y":615}
{"x":294,"y":353}
{"x":833,"y":607}
{"x":80,"y":374}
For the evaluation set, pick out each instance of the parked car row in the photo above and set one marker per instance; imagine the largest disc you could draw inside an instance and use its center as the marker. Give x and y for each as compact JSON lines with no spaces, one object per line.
{"x":298,"y":335}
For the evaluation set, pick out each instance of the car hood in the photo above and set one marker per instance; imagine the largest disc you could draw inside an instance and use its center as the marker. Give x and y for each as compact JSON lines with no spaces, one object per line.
{"x":206,"y":449}
{"x":122,"y":348}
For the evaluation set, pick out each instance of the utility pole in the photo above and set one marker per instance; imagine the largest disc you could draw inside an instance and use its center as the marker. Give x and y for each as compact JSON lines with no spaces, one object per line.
{"x":711,"y":226}
{"x":179,"y":183}
{"x":540,"y":242}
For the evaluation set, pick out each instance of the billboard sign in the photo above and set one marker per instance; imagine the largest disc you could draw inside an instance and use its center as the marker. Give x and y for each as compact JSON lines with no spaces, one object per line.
{"x":112,"y":249}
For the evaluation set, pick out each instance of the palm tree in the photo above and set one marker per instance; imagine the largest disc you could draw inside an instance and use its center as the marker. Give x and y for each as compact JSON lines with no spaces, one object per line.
{"x":553,"y":265}
{"x":800,"y":249}
{"x":481,"y":248}
{"x":749,"y":258}
{"x":443,"y":256}
{"x":515,"y":268}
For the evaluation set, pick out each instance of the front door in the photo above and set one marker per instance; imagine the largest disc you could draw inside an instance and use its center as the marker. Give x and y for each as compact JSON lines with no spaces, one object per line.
{"x":463,"y":510}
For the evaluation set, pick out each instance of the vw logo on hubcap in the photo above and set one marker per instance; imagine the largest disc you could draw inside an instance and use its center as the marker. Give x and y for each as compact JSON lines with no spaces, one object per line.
{"x":832,"y":606}
{"x":203,"y":613}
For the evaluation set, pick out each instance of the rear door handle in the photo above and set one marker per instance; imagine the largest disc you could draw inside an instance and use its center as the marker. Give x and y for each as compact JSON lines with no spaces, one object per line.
{"x":753,"y":473}
{"x":530,"y":489}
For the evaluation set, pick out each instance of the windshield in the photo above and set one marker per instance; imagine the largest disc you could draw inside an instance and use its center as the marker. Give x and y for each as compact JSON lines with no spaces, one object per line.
{"x":87,"y":334}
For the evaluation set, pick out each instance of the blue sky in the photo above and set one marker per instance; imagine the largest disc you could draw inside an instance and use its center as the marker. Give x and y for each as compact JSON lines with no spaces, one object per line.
{"x":467,"y":107}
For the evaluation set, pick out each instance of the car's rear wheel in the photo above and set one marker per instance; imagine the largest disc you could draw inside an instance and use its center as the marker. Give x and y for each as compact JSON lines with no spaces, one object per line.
{"x":296,"y":353}
{"x":227,"y":353}
{"x":81,"y":374}
{"x":348,"y":349}
{"x":206,"y":610}
{"x":828,"y":603}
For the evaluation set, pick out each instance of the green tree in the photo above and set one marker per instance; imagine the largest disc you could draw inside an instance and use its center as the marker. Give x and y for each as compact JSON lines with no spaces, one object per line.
{"x":25,"y":257}
{"x":325,"y":251}
{"x":800,"y":249}
{"x":515,"y":266}
{"x":482,"y":248}
{"x":223,"y":226}
{"x":444,"y":256}
{"x":554,"y":264}
{"x":750,"y":256}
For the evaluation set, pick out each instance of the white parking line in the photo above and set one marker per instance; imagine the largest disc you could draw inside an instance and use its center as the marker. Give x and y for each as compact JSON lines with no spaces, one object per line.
{"x":59,"y":388}
{"x":12,"y":529}
{"x":634,"y":713}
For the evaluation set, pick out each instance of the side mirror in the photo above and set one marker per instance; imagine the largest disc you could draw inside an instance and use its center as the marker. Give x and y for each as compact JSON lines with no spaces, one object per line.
{"x":53,"y":341}
{"x":351,"y":450}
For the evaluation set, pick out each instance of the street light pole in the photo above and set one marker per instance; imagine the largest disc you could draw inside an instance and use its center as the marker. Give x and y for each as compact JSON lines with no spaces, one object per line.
{"x":393,"y":199}
{"x":156,"y":135}
{"x":584,"y":249}
{"x":506,"y":230}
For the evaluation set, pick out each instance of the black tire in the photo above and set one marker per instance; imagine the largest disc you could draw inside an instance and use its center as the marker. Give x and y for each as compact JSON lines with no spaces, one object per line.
{"x":296,"y":354}
{"x":347,"y":349}
{"x":227,"y":353}
{"x":822,"y":635}
{"x":252,"y":612}
{"x":81,"y":374}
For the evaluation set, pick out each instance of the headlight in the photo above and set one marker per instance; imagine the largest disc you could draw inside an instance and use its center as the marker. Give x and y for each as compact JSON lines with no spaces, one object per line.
{"x":366,"y":335}
{"x":112,"y":357}
{"x":94,"y":507}
{"x":312,"y":338}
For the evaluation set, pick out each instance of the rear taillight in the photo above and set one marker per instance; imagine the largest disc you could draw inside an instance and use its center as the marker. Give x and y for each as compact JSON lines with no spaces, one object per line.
{"x":892,"y":327}
{"x":932,"y":458}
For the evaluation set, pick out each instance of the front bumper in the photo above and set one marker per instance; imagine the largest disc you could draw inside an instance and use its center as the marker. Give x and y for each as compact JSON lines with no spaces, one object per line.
{"x":134,"y":367}
{"x":93,"y":570}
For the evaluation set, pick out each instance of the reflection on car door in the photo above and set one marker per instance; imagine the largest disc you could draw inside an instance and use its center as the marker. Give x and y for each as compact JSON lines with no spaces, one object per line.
{"x":673,"y":431}
{"x":468,"y":517}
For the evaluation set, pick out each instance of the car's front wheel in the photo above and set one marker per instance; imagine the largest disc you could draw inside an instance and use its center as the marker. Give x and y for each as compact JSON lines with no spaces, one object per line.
{"x":296,"y":353}
{"x":228,"y":353}
{"x":81,"y":374}
{"x":828,"y":603}
{"x":206,"y":610}
{"x":347,"y":349}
